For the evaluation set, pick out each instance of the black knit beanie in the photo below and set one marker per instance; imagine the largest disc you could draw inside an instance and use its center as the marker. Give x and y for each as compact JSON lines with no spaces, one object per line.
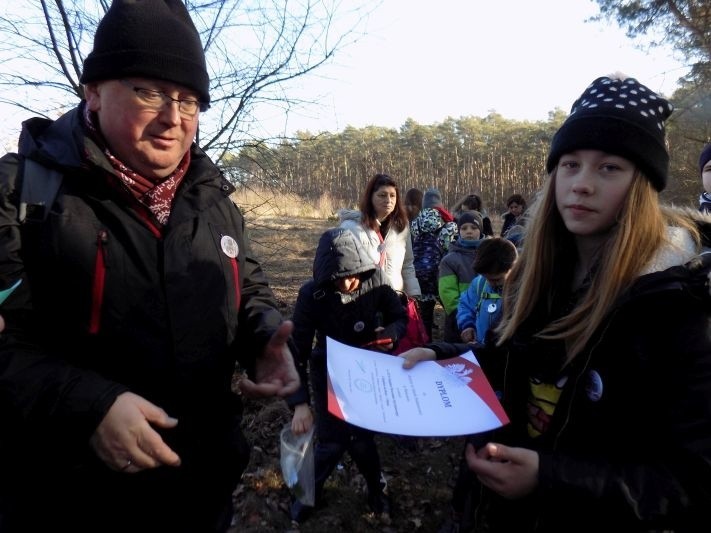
{"x":704,"y":157}
{"x":469,"y":217}
{"x":622,"y":117}
{"x":150,"y":39}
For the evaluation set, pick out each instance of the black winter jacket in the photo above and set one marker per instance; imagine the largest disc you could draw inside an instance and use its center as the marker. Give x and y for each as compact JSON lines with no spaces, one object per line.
{"x":107,"y":306}
{"x":629,"y":443}
{"x":321,"y":310}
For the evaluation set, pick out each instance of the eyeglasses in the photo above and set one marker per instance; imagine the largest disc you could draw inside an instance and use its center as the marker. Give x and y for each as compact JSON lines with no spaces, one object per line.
{"x":155,"y":100}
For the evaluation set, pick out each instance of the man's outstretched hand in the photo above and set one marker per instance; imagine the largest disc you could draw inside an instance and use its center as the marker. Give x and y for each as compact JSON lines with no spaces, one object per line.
{"x":275,"y":372}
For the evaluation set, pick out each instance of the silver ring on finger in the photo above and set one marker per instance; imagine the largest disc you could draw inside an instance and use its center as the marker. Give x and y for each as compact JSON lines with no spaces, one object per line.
{"x":129,"y":462}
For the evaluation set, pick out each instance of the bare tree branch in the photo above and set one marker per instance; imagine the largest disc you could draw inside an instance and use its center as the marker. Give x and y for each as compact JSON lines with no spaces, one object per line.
{"x":255,"y":49}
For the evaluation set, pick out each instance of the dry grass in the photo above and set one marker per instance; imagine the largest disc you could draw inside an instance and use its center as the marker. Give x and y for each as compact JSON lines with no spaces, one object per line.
{"x":257,"y":203}
{"x":286,"y":247}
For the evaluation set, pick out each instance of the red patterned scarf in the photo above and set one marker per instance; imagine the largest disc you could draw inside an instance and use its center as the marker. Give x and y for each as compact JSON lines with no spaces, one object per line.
{"x":156,"y":196}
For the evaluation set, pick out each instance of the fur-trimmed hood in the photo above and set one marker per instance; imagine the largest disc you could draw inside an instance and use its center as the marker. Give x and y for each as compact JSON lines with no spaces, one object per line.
{"x":349,"y":214}
{"x":681,"y":260}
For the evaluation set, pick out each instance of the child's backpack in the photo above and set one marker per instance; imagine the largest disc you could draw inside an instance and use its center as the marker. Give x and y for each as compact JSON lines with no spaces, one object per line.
{"x":430,"y":238}
{"x":488,"y":317}
{"x":427,"y":254}
{"x":415,"y":334}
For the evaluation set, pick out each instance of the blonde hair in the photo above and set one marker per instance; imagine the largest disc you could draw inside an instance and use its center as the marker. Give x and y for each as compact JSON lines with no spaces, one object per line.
{"x":630,"y":246}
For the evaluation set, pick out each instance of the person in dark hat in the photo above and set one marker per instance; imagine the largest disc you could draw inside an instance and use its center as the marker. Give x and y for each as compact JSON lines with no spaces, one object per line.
{"x":705,"y":170}
{"x":139,"y":295}
{"x":604,"y":346}
{"x":456,"y":269}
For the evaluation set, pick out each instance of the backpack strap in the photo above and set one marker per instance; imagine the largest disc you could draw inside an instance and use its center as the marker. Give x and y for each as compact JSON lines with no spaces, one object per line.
{"x":483,"y":295}
{"x":40,"y":186}
{"x":480,"y":291}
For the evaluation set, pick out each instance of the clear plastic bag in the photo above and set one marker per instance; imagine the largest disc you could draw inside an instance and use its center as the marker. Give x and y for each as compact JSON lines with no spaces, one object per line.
{"x":297,"y":464}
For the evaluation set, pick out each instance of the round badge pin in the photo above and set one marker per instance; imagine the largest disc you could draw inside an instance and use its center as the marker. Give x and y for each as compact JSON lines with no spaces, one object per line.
{"x":491,"y":308}
{"x":359,"y":326}
{"x":593,"y":387}
{"x":229,"y":246}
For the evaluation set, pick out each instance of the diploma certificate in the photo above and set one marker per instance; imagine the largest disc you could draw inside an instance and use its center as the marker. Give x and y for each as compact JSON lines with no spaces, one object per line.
{"x":434,"y":398}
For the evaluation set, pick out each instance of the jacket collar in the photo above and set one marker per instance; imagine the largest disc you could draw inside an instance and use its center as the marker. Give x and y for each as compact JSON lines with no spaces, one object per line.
{"x":678,"y":250}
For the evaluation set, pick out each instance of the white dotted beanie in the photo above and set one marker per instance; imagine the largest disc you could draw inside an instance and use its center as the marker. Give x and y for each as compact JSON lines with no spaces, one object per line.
{"x":619,"y":116}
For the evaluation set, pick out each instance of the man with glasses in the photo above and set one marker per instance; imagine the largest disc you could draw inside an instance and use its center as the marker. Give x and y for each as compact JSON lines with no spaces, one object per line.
{"x":139,"y":294}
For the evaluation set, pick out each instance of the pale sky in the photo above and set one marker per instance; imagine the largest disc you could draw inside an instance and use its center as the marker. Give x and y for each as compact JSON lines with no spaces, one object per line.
{"x":429,"y":60}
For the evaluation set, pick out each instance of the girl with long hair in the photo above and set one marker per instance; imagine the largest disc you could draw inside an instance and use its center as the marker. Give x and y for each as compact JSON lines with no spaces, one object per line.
{"x":603,"y":356}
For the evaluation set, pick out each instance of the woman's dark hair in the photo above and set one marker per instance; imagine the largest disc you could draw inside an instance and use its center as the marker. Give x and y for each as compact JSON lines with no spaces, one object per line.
{"x":494,"y":256}
{"x":398,"y":218}
{"x":470,"y":202}
{"x":516,"y":198}
{"x":414,"y":196}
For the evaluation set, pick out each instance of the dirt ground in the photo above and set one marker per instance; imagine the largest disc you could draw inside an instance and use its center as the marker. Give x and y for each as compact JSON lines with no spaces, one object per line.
{"x":420,"y":472}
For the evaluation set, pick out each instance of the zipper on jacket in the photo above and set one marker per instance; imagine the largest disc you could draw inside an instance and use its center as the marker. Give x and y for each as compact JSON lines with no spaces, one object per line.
{"x":97,"y":288}
{"x":235,"y":275}
{"x":145,"y":216}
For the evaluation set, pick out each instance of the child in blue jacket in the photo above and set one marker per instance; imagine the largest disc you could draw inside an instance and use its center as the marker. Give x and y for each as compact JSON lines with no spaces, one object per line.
{"x":479,"y":307}
{"x":456,"y":270}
